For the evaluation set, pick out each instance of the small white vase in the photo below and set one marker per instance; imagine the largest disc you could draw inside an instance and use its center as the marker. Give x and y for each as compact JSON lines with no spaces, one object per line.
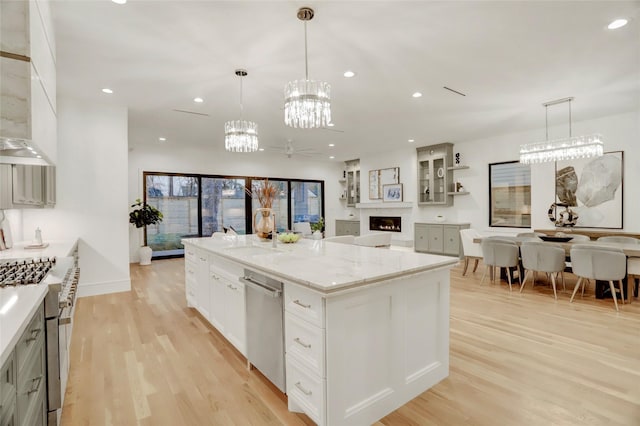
{"x":145,"y":253}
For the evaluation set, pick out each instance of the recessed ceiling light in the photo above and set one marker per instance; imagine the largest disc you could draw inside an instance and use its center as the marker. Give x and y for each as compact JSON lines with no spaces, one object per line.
{"x":107,"y":90}
{"x":332,"y":157}
{"x":332,"y":144}
{"x":162,"y":139}
{"x":618,"y":23}
{"x":417,"y":95}
{"x":198,"y":100}
{"x":411,"y":140}
{"x":119,"y":1}
{"x":330,"y":124}
{"x":349,"y":74}
{"x":260,"y":149}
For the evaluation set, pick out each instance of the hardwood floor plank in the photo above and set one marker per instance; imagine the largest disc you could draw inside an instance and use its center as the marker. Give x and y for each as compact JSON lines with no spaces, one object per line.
{"x":144,"y":358}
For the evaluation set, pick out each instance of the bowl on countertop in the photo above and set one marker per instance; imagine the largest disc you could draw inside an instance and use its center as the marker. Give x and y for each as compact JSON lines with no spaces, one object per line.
{"x":289,"y":237}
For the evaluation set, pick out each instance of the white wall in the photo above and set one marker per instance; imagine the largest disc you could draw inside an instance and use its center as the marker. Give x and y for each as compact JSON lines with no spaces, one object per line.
{"x":170,"y":157}
{"x":621,"y":132}
{"x":92,"y":202}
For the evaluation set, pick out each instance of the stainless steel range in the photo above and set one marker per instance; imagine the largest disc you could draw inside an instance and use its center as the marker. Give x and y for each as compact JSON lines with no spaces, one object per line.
{"x":61,"y":275}
{"x":25,"y":271}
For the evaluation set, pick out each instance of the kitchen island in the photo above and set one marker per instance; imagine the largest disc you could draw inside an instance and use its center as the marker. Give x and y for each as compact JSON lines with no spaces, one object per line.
{"x":366,"y":330}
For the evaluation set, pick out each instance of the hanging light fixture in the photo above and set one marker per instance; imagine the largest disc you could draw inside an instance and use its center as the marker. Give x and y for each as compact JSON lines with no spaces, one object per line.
{"x":241,"y":135}
{"x":561,"y":149}
{"x":307,"y":103}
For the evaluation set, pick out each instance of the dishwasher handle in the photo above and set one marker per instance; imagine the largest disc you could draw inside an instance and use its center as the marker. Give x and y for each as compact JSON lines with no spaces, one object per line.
{"x":270,"y":291}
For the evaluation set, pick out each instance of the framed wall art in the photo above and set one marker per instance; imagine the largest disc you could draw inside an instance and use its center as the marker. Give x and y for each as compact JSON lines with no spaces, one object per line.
{"x":593,"y":189}
{"x":510,"y":195}
{"x":379,"y":178}
{"x":392,"y":193}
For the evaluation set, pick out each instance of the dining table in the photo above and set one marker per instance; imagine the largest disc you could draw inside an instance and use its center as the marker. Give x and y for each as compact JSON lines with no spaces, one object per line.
{"x":630,"y":250}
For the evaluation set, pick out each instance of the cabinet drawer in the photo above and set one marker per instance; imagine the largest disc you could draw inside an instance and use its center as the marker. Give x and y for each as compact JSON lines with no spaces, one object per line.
{"x":226,"y":269}
{"x":305,"y":343}
{"x":306,"y":391}
{"x":190,"y":254}
{"x":7,"y":382}
{"x":305,"y":304}
{"x":30,"y":339}
{"x":31,"y":382}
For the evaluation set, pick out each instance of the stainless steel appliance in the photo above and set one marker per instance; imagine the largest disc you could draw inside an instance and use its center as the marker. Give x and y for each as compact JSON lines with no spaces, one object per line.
{"x":265,"y":326}
{"x":61,"y":275}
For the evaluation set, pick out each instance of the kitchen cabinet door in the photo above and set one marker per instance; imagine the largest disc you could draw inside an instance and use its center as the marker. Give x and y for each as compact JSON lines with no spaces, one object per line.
{"x":452,"y":240}
{"x":421,"y":239}
{"x":203,"y":289}
{"x":235,"y":327}
{"x":435,"y":235}
{"x":217,"y":308}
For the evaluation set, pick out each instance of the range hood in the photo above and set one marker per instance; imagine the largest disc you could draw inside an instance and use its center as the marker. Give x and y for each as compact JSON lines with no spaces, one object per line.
{"x":20,"y":151}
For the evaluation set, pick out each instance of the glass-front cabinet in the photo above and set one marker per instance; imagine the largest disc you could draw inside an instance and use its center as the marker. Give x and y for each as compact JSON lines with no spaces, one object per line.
{"x":353,"y":182}
{"x":435,"y":177}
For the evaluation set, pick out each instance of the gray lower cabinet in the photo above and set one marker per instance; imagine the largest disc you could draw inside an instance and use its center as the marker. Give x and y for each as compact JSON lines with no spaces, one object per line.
{"x":439,"y":238}
{"x":23,"y":384}
{"x":347,"y":227}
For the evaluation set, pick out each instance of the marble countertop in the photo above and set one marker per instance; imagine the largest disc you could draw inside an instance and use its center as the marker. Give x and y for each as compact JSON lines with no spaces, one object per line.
{"x":17,"y":306}
{"x":324,"y":266}
{"x":55,"y":248}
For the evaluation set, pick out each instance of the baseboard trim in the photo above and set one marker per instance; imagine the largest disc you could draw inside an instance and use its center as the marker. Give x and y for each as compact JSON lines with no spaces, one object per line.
{"x":95,"y":289}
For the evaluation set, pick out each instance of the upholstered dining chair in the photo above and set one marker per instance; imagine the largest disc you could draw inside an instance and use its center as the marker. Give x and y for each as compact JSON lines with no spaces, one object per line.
{"x":633,"y":274}
{"x":218,"y":235}
{"x":542,"y":257}
{"x":472,"y":251}
{"x":498,"y":253}
{"x":532,"y":235}
{"x":342,"y":239}
{"x":599,"y":263}
{"x":619,"y":239}
{"x":378,"y":239}
{"x":302,"y":227}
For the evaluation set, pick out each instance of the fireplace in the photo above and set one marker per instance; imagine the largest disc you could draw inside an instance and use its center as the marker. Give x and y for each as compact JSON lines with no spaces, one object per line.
{"x":385,"y":223}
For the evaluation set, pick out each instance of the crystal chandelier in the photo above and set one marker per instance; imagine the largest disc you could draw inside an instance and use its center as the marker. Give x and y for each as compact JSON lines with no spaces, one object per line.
{"x":307,"y":103}
{"x":561,"y":149}
{"x":241,"y":135}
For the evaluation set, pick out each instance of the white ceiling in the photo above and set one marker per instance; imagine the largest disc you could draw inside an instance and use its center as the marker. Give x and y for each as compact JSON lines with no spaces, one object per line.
{"x":508,"y":57}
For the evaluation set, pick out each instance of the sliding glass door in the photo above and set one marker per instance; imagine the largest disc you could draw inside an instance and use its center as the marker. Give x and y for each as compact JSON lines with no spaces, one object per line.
{"x":199,"y":205}
{"x":176,"y":196}
{"x":223,"y":205}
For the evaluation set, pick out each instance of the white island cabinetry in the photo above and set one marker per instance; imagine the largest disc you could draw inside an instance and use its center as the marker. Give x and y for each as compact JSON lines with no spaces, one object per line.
{"x":366,"y":330}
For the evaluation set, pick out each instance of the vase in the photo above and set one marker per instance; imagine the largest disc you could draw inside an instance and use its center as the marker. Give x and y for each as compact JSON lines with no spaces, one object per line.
{"x":263,"y":222}
{"x":145,"y":253}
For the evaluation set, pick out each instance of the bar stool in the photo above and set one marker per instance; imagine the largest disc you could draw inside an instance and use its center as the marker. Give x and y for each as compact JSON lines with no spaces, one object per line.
{"x":599,"y":263}
{"x":542,"y":257}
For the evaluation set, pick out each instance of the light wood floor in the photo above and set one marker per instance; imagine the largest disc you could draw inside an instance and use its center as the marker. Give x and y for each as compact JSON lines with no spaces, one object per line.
{"x":144,"y":358}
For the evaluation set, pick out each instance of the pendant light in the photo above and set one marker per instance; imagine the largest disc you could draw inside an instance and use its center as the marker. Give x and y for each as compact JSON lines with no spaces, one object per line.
{"x":241,"y":135}
{"x":307,"y":103}
{"x":561,"y":149}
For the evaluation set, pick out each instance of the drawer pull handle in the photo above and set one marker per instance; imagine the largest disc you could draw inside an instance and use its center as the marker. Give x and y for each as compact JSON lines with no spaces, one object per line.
{"x":35,"y":384}
{"x":303,"y":390}
{"x":301,"y":343}
{"x":34,"y":335}
{"x":232,"y":287}
{"x":299,"y":303}
{"x":204,"y":259}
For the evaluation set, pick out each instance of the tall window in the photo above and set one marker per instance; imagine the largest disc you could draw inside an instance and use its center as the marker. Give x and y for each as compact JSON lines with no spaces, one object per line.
{"x":306,"y":201}
{"x":279,"y":204}
{"x":199,"y":205}
{"x":223,"y":205}
{"x":176,"y":196}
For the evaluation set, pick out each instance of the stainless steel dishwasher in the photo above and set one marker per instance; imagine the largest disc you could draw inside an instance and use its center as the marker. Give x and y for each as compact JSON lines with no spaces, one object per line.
{"x":265,"y":326}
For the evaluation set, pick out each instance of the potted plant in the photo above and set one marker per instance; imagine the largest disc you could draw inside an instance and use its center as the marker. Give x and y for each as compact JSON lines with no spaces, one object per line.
{"x":142,"y":215}
{"x":318,"y":228}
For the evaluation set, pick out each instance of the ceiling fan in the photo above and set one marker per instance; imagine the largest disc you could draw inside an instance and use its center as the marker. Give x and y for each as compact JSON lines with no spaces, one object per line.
{"x":289,"y":150}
